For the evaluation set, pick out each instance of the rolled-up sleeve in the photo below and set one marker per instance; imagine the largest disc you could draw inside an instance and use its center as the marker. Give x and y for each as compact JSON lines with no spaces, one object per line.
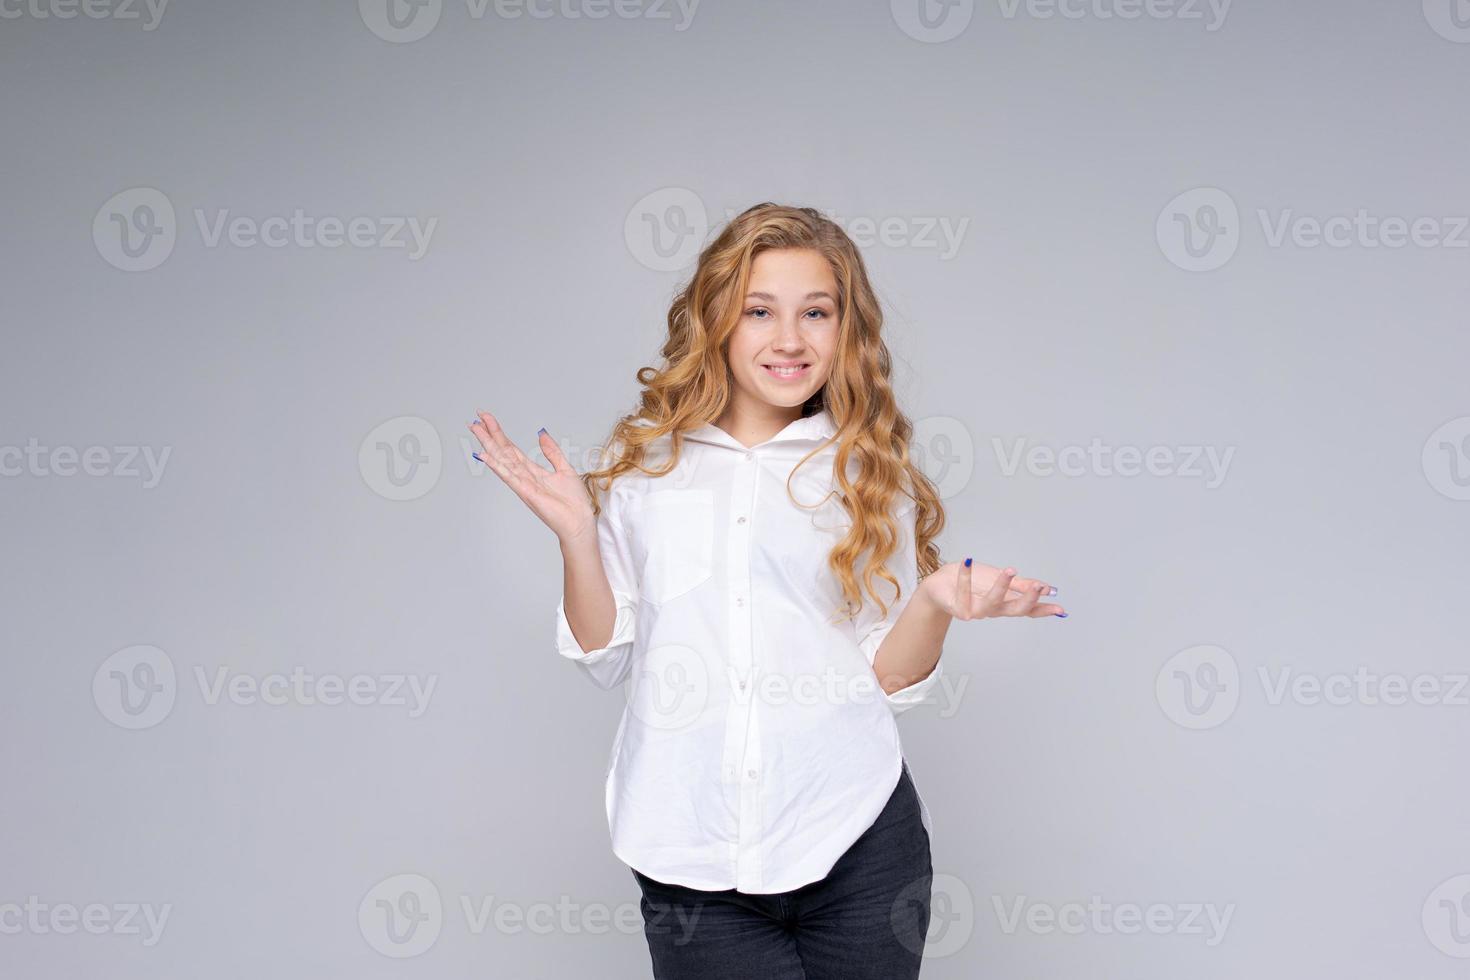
{"x":871,"y":628}
{"x":607,"y":666}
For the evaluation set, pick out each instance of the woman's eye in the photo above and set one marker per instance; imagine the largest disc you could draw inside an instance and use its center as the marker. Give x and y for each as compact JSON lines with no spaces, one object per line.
{"x":761,"y":313}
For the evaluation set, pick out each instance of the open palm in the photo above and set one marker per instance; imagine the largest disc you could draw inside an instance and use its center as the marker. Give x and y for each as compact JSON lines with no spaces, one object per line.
{"x":555,"y":495}
{"x":977,"y":591}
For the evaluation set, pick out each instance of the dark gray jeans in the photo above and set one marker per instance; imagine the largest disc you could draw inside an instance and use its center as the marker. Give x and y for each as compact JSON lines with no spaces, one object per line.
{"x":866,"y":919}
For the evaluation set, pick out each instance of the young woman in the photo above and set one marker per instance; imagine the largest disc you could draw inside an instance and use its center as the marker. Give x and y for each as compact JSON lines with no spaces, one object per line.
{"x":717,"y":564}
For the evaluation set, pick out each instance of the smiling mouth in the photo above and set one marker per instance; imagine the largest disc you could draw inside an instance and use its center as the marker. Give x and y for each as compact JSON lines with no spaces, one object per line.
{"x":786,"y":371}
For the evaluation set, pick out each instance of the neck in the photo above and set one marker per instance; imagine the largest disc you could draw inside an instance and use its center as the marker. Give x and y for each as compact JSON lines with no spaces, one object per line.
{"x":751,"y":425}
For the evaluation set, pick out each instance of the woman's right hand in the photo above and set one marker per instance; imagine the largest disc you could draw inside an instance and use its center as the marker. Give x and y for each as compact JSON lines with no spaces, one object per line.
{"x":557,"y":495}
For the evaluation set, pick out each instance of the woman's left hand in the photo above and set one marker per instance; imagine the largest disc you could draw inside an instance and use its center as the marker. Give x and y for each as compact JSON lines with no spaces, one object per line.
{"x":977,"y":591}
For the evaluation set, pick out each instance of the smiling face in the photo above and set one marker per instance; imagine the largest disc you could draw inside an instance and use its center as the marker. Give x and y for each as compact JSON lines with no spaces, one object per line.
{"x":781,"y":351}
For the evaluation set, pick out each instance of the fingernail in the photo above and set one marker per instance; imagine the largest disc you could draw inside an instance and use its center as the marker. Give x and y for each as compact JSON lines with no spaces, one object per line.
{"x":473,"y":421}
{"x":1053,"y":590}
{"x":541,"y":431}
{"x":1060,"y":615}
{"x":478,"y":456}
{"x":967,"y":563}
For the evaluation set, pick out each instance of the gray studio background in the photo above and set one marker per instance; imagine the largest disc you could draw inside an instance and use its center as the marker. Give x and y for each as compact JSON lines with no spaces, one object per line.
{"x":236,"y":476}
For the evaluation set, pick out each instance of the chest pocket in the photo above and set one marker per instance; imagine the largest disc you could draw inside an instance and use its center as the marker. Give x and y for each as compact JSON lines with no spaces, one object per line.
{"x":678,"y":542}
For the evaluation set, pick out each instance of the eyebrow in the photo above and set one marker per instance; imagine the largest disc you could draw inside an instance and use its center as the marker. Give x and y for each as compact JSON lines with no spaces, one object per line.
{"x":819,"y":294}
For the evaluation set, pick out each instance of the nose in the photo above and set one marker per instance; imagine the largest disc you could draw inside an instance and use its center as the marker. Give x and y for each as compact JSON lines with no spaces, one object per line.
{"x":788,"y":337}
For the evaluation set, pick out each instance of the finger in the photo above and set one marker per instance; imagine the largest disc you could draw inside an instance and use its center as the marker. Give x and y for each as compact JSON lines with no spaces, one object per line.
{"x":508,"y":451}
{"x":502,"y":457}
{"x":962,"y":585}
{"x":995,"y":596}
{"x":1026,"y":584}
{"x":555,"y":455}
{"x":1027,"y":601}
{"x":509,"y":474}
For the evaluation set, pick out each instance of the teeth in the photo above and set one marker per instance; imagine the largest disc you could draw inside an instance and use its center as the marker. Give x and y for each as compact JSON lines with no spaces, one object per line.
{"x":783,"y":370}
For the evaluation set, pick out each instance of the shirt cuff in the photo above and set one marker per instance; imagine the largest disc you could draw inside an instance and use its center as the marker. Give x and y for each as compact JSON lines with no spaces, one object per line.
{"x":919,"y":692}
{"x":622,"y":634}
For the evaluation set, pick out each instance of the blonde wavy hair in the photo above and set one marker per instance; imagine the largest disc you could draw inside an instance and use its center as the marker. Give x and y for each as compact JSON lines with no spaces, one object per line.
{"x":692,"y":386}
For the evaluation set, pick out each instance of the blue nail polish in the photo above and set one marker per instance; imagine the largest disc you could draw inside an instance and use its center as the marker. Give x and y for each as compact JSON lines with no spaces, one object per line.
{"x":478,"y":456}
{"x":541,"y":431}
{"x":967,"y":563}
{"x":1060,"y":615}
{"x":1053,"y":590}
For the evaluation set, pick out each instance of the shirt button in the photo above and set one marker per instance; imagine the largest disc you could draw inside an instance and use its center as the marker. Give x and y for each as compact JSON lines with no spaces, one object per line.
{"x":740,"y":519}
{"x":750,"y":773}
{"x":740,"y":600}
{"x":750,"y":455}
{"x":742,"y":685}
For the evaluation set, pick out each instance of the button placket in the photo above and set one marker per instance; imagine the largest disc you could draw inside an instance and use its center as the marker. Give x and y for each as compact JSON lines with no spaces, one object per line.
{"x":737,"y":581}
{"x":742,"y":751}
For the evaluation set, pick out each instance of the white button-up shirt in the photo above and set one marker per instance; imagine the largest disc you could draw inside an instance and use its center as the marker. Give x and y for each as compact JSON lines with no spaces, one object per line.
{"x":756,"y":744}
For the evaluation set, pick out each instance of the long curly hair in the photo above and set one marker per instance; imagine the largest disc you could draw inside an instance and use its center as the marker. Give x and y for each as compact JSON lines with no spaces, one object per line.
{"x":692,"y":386}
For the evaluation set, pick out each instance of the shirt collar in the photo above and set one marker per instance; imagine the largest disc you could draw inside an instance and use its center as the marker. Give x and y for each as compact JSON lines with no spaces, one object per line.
{"x":817,"y":427}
